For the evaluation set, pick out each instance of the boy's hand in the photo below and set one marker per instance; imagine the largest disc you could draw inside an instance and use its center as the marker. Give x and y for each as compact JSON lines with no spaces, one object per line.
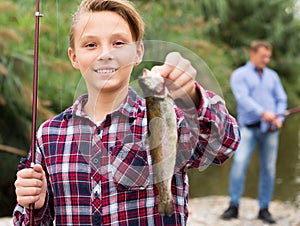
{"x":180,"y":75}
{"x":31,"y":186}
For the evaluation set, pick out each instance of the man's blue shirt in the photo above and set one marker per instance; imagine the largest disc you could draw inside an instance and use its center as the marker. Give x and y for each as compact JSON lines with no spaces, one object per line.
{"x":256,"y":93}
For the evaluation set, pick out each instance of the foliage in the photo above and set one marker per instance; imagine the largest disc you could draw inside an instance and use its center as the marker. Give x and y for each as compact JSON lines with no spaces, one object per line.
{"x":274,"y":21}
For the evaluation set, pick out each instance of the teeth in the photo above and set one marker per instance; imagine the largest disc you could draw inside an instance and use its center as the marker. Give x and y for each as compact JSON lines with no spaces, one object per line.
{"x":103,"y":71}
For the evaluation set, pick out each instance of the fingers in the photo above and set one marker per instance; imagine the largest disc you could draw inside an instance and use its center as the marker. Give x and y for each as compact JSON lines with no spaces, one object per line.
{"x":38,"y":168}
{"x":31,"y":186}
{"x":28,"y":182}
{"x":175,"y":66}
{"x":179,"y":73}
{"x":268,"y":116}
{"x":277,"y":122}
{"x":25,"y":201}
{"x":35,"y":172}
{"x":272,"y":118}
{"x":28,"y":195}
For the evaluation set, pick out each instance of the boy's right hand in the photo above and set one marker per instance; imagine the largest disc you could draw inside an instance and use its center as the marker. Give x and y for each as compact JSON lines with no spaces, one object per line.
{"x":31,"y":186}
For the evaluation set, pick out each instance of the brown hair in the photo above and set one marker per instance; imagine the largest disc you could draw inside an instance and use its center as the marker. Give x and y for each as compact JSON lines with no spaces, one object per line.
{"x":122,"y":7}
{"x":255,"y":45}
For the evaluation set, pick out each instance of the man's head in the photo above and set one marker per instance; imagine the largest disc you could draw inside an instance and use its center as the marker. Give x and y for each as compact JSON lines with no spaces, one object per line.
{"x":260,"y":53}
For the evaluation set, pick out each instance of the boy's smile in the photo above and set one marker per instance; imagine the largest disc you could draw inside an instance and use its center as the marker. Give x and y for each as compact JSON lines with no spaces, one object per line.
{"x":105,"y":71}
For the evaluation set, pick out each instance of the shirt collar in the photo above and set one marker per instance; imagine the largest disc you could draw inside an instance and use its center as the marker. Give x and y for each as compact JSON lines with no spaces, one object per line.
{"x":252,"y":66}
{"x":131,"y":106}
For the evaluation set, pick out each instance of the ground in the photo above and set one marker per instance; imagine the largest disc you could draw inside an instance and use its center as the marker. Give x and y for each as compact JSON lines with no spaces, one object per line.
{"x":206,"y":211}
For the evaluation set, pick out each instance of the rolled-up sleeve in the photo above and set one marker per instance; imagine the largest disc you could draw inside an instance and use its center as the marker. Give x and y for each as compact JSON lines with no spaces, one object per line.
{"x":209,"y":138}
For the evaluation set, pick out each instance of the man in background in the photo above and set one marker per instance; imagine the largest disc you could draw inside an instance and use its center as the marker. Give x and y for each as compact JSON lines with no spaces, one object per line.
{"x":261,"y":100}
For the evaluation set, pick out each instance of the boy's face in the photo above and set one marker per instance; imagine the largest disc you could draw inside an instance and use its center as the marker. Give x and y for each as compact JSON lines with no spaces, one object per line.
{"x":104,"y":51}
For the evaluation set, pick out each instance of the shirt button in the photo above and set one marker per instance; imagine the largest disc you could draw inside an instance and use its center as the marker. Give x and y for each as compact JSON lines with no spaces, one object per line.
{"x":95,"y":161}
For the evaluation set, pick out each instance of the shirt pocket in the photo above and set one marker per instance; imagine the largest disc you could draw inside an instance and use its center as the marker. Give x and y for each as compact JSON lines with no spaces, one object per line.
{"x":130,"y":166}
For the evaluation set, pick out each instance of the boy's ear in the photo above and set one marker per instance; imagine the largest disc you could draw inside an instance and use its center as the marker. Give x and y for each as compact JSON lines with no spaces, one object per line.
{"x":73,"y":58}
{"x":139,"y":53}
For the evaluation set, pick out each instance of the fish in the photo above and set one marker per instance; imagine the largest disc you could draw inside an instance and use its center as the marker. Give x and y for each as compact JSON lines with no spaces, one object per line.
{"x":162,"y":136}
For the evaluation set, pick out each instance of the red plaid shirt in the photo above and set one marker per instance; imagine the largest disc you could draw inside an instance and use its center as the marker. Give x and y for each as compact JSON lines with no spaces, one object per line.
{"x":100,"y":174}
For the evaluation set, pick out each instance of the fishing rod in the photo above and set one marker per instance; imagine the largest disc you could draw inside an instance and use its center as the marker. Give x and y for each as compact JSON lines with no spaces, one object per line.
{"x":34,"y":97}
{"x":290,"y":111}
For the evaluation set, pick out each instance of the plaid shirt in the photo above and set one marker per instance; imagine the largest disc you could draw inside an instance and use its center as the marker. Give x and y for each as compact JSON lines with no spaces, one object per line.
{"x":101,"y":174}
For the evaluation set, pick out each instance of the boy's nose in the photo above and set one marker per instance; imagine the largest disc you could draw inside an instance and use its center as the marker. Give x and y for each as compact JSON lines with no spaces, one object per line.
{"x":106,"y":54}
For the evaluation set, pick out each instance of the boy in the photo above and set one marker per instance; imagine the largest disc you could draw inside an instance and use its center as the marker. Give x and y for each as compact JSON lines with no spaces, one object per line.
{"x":84,"y":155}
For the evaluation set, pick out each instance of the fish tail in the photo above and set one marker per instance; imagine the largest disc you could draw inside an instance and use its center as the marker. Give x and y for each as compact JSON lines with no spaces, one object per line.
{"x":166,"y":208}
{"x":165,"y":199}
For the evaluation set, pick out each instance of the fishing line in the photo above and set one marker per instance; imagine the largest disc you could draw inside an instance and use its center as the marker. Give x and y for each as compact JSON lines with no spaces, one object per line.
{"x":58,"y":50}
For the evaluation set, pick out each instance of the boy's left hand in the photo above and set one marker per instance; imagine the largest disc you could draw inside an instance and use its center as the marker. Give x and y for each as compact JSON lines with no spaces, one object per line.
{"x":180,"y":75}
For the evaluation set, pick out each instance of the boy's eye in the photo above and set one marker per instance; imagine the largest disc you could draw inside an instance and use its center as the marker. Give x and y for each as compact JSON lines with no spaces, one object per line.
{"x":90,"y":45}
{"x":119,"y":43}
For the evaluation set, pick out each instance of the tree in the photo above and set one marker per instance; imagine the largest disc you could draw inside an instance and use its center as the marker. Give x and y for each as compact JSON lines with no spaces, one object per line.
{"x":240,"y":22}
